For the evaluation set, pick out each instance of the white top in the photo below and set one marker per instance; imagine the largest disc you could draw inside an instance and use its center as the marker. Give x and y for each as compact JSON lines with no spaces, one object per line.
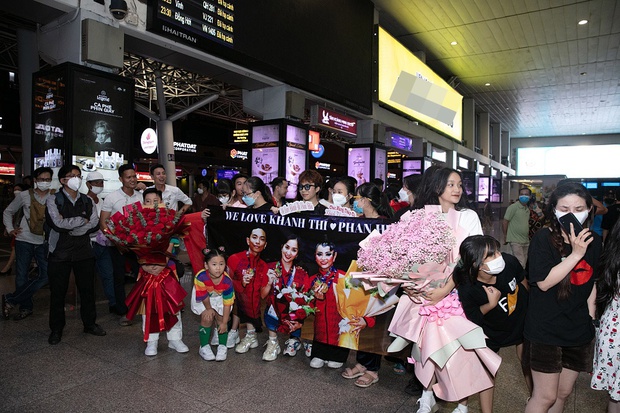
{"x":115,"y":201}
{"x":22,"y":200}
{"x":97,"y":205}
{"x":172,"y":195}
{"x":470,"y":222}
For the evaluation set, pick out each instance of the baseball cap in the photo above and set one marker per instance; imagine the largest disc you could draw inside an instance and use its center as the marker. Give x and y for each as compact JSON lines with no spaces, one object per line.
{"x":94,"y":176}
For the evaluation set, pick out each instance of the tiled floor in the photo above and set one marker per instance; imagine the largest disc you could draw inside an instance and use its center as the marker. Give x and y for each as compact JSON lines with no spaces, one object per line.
{"x":85,"y":373}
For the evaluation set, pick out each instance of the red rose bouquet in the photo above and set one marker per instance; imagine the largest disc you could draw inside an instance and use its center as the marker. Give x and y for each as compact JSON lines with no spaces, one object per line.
{"x":297,"y":305}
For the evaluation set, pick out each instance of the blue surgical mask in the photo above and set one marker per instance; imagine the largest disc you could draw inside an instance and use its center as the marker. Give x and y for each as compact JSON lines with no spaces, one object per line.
{"x":524,"y":199}
{"x":357,"y":208}
{"x":248,"y":200}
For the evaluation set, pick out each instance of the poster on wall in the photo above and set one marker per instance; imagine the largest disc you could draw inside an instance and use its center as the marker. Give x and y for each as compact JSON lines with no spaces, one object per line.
{"x":102,"y":124}
{"x":48,"y":117}
{"x":265,"y":134}
{"x":380,"y":164}
{"x":295,"y":164}
{"x":295,"y":135}
{"x":496,"y":190}
{"x":359,"y":164}
{"x":412,"y":167}
{"x":265,"y":163}
{"x":483,"y":188}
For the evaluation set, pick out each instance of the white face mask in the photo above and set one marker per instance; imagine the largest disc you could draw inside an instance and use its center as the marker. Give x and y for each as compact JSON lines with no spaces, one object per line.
{"x":200,"y":191}
{"x":74,"y":183}
{"x":96,"y":189}
{"x":15,"y":193}
{"x":223,"y":199}
{"x":43,"y":186}
{"x":581,"y":216}
{"x":496,"y":266}
{"x":403,"y":195}
{"x":339,"y":199}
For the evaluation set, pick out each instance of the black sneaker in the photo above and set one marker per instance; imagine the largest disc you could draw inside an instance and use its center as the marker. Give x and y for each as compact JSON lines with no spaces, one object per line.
{"x":54,"y":337}
{"x":95,"y":330}
{"x":414,"y":387}
{"x":22,"y":314}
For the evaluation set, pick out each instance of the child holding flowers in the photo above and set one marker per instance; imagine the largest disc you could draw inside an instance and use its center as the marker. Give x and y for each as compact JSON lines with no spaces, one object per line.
{"x":214,"y":296}
{"x":291,"y":290}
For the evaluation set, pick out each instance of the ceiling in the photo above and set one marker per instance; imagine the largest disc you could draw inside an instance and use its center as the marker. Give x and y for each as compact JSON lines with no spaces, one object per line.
{"x":548,"y":75}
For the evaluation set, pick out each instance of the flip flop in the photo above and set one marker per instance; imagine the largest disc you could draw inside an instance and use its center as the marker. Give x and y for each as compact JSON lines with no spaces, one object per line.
{"x":399,"y":368}
{"x":355,"y":372}
{"x":368,"y":379}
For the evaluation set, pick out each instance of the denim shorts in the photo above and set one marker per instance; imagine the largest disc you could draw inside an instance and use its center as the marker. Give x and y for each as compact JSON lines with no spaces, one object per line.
{"x":546,"y":358}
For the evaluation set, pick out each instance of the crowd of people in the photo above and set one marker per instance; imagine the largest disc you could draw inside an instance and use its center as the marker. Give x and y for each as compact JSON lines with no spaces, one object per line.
{"x":555,"y":298}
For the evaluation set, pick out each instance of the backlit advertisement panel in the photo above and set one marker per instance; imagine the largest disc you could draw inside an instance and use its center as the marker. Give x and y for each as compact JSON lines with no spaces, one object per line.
{"x":409,"y":86}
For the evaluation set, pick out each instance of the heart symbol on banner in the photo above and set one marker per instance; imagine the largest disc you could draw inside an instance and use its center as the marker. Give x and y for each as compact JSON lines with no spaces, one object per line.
{"x":332,"y":225}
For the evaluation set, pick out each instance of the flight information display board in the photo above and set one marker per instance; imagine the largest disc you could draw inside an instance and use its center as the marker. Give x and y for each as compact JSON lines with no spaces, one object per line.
{"x":322,"y":46}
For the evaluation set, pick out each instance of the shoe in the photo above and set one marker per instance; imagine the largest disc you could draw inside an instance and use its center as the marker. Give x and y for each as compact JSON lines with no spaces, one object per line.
{"x":308,"y":349}
{"x":414,"y":387}
{"x":178,"y":345}
{"x":95,"y":330}
{"x":151,"y":348}
{"x":367,"y":379}
{"x":248,"y":342}
{"x":215,"y":340}
{"x":458,"y":409}
{"x":222,"y":351}
{"x":6,"y":308}
{"x":124,"y":321}
{"x":334,"y":364}
{"x":292,"y":345}
{"x":272,"y":351}
{"x":317,"y":363}
{"x":206,"y":353}
{"x":427,"y":405}
{"x":233,"y":339}
{"x":54,"y":337}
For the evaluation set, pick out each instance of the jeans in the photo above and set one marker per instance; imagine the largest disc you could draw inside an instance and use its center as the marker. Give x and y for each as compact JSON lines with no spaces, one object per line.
{"x":105,"y":269}
{"x":84,"y":273}
{"x":25,"y":287}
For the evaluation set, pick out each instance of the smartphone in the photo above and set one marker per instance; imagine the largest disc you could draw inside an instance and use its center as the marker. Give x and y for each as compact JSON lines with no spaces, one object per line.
{"x":568,"y":219}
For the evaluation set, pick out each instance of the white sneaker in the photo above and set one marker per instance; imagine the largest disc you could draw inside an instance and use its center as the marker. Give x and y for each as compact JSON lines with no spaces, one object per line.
{"x":151,"y":348}
{"x":206,"y":353}
{"x":427,"y":405}
{"x":215,"y":339}
{"x":178,"y":345}
{"x":292,"y":345}
{"x":459,"y":409}
{"x":308,"y":349}
{"x":334,"y":364}
{"x":317,"y":363}
{"x":221,"y":353}
{"x":233,"y":338}
{"x":272,"y":351}
{"x":248,"y":342}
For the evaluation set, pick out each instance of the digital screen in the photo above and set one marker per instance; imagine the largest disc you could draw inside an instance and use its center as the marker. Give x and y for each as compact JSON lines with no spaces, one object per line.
{"x":591,"y":185}
{"x":265,"y":163}
{"x":295,"y":164}
{"x":483,"y":188}
{"x":401,"y":142}
{"x":265,"y":134}
{"x":380,"y":163}
{"x":359,"y":164}
{"x":412,"y":167}
{"x":226,"y":173}
{"x":569,"y":161}
{"x":496,"y":190}
{"x":278,"y":38}
{"x":610,"y":183}
{"x":296,"y":135}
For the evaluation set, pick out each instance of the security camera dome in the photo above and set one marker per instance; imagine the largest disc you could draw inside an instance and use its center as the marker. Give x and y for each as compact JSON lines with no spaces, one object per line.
{"x":118,"y":8}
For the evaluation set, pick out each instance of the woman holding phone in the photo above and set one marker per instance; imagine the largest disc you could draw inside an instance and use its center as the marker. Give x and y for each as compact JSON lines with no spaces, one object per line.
{"x":558,"y":324}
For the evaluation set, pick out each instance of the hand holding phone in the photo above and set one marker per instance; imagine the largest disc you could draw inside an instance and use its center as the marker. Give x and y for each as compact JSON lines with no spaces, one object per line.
{"x":568,"y":219}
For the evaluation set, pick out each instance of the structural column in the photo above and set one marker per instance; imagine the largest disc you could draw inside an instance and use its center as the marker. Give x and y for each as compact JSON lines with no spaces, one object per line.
{"x":28,"y":62}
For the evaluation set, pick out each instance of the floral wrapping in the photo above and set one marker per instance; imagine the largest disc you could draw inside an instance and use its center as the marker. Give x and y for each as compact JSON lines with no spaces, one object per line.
{"x":296,"y":305}
{"x":606,"y":373}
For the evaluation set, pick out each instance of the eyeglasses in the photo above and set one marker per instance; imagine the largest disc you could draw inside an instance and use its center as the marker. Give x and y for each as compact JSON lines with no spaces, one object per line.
{"x":248,"y":193}
{"x":306,"y":187}
{"x":43,"y":179}
{"x":73,"y":176}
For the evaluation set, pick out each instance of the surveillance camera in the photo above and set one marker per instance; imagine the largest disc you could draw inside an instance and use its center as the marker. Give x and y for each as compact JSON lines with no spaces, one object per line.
{"x":118,"y":8}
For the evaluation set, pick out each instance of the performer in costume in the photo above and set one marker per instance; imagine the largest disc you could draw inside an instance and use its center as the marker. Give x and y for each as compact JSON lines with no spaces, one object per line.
{"x":283,"y":275}
{"x":249,"y":275}
{"x":157,"y":294}
{"x":212,"y":299}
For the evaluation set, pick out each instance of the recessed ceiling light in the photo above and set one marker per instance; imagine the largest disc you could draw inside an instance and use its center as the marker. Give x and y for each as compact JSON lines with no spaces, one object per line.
{"x":454,"y":43}
{"x":487,"y":84}
{"x":583,"y":73}
{"x":582,"y":22}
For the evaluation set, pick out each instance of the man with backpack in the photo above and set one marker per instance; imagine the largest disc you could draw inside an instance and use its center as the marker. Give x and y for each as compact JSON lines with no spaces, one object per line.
{"x":71,"y":218}
{"x":29,"y":243}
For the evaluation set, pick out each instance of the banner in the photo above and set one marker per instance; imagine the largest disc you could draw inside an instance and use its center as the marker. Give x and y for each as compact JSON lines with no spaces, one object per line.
{"x":232,"y":229}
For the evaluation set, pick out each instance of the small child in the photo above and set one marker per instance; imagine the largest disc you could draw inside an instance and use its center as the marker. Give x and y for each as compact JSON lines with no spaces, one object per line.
{"x":215,"y":296}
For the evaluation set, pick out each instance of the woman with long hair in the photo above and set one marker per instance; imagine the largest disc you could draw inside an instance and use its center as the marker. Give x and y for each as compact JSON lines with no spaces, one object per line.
{"x":562,"y":277}
{"x":256,"y":195}
{"x":371,"y":203}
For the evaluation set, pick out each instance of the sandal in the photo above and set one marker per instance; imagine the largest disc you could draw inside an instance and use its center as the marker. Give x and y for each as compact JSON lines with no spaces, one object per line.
{"x":399,"y":368}
{"x":367,"y":379}
{"x":355,"y":372}
{"x":6,"y":308}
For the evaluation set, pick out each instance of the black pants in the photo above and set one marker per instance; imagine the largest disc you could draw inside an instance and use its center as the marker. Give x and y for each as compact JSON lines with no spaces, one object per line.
{"x":371,"y":361}
{"x":58,"y":274}
{"x":118,"y":263}
{"x":329,"y":352}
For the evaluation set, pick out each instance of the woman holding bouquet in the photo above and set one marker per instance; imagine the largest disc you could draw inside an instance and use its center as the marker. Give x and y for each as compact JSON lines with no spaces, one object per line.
{"x":284,"y":275}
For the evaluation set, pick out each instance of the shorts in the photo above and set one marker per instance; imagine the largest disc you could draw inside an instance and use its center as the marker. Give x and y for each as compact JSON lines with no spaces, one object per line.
{"x":546,"y":358}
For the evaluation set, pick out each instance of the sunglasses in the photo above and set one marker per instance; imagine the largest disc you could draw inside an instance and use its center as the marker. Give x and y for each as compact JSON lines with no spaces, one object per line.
{"x":306,"y":187}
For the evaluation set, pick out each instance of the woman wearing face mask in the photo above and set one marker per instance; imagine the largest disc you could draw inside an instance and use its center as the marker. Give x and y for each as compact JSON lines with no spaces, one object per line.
{"x":256,"y":194}
{"x":343,"y":191}
{"x":369,"y":202}
{"x":558,"y":324}
{"x":493,"y":291}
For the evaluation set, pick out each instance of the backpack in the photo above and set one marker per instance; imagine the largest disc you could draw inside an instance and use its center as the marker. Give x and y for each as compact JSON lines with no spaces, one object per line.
{"x":37,"y":214}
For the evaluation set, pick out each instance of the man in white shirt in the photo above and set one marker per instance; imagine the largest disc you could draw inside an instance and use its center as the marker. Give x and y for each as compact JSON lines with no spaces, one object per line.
{"x":113,"y":203}
{"x":171,"y":195}
{"x":29,"y":243}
